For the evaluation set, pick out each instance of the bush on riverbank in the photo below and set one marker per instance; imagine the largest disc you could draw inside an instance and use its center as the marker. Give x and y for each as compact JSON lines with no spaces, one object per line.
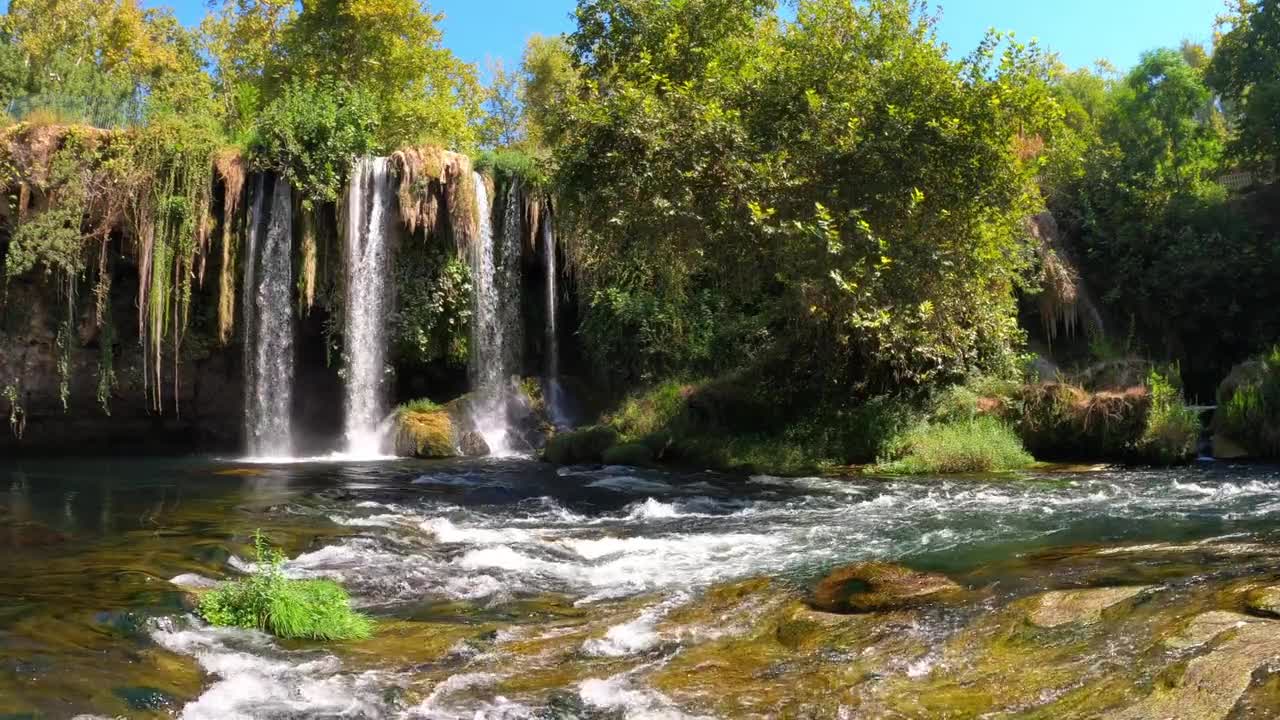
{"x":295,"y":609}
{"x":1249,"y":406}
{"x":977,"y":445}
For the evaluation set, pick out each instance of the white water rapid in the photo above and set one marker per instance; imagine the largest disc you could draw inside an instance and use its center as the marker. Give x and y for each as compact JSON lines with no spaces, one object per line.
{"x":268,"y":323}
{"x":368,"y":235}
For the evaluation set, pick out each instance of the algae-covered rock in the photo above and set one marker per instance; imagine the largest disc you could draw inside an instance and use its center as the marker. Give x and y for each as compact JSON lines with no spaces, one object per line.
{"x":875,"y":586}
{"x":1083,"y":607}
{"x":1206,"y":626}
{"x":1209,"y":686}
{"x":634,"y":454}
{"x":425,"y":434}
{"x":1264,"y":601}
{"x":587,"y":445}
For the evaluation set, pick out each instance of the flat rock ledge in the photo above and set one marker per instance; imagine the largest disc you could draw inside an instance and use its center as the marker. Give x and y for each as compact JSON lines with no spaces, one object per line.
{"x":1078,"y":607}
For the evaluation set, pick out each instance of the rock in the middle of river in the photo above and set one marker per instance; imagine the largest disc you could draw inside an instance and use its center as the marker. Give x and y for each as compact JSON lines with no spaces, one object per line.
{"x":876,"y":586}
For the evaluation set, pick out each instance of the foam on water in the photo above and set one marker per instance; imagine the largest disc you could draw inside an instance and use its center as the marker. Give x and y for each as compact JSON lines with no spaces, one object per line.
{"x":600,"y":535}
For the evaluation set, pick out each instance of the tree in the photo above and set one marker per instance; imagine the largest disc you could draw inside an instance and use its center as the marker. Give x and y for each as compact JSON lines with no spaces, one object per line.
{"x":504,"y":120}
{"x":390,"y":49}
{"x":1245,"y":71}
{"x":242,"y":37}
{"x":746,"y":190}
{"x":549,"y":80}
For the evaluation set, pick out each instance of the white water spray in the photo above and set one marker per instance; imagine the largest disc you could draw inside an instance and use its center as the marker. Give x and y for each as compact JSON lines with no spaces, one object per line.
{"x":268,"y":323}
{"x":367,"y":305}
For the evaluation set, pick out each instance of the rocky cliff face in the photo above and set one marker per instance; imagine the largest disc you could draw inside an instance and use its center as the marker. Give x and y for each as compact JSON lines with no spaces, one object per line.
{"x":201,"y":413}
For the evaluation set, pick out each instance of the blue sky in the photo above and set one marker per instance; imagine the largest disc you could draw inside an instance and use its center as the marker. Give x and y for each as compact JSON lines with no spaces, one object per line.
{"x":1081,"y":30}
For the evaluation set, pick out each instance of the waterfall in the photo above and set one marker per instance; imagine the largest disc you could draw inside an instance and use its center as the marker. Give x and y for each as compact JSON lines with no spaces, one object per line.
{"x":496,"y":336}
{"x":552,"y":391}
{"x":369,"y":216}
{"x":268,"y":322}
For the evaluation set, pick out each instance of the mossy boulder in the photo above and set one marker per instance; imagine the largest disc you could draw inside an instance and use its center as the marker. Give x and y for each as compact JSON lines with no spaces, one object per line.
{"x":877,"y":586}
{"x":634,"y":454}
{"x":1078,"y":607}
{"x":1264,"y":601}
{"x":1209,"y":686}
{"x":425,"y":433}
{"x":1060,"y":420}
{"x":587,"y":445}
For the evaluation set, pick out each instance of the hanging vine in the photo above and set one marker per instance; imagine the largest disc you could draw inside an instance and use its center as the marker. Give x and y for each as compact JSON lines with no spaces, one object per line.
{"x":170,"y":218}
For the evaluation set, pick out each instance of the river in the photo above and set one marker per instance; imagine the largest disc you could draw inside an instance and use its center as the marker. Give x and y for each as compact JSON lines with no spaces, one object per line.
{"x":512,"y":589}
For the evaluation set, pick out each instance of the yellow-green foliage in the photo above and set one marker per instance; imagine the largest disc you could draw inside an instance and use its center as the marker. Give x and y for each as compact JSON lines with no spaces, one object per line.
{"x":425,"y":430}
{"x":980,"y":445}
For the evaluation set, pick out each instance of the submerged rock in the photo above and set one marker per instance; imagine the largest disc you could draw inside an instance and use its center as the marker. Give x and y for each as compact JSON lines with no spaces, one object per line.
{"x":1083,"y":607}
{"x":875,"y":586}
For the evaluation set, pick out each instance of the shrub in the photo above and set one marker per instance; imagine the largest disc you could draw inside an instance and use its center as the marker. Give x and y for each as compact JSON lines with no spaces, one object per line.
{"x":1249,"y":406}
{"x":1172,"y":428}
{"x":296,"y":609}
{"x":980,"y":445}
{"x":634,"y":454}
{"x":580,"y":446}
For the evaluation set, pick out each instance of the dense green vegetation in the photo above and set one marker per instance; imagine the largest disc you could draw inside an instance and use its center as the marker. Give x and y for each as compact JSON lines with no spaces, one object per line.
{"x":821,"y":215}
{"x":296,"y":609}
{"x":1249,"y":405}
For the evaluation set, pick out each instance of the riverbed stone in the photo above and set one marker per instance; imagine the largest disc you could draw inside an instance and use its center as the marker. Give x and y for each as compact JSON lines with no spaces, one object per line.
{"x":1207,"y":626}
{"x":1080,"y":607}
{"x":1264,"y":601}
{"x":474,"y":445}
{"x":1209,"y":686}
{"x":877,"y":586}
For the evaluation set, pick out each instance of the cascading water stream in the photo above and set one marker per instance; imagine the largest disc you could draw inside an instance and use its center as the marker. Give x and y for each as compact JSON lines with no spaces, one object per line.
{"x":367,"y":239}
{"x":495,"y":269}
{"x":553,"y":391}
{"x":268,"y":323}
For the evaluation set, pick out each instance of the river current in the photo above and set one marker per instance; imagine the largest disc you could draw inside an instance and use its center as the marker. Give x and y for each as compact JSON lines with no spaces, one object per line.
{"x":512,"y":589}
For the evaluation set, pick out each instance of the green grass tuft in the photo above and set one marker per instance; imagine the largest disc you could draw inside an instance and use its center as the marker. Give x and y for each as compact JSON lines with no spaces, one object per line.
{"x":422,"y":405}
{"x":980,"y":445}
{"x":294,"y":609}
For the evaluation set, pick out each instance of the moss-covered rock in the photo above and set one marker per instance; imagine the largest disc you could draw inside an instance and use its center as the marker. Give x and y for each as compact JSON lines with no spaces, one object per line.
{"x":1082,"y":607}
{"x":1210,"y":685}
{"x":1264,"y":601}
{"x":876,"y":586}
{"x":425,"y":433}
{"x":634,"y":454}
{"x":587,"y":445}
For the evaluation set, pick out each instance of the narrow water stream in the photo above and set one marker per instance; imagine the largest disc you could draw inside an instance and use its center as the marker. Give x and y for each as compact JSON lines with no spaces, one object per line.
{"x":509,"y":589}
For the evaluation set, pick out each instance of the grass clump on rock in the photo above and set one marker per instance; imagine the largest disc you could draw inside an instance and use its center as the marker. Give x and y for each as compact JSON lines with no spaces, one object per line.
{"x":293,"y":609}
{"x":424,"y":430}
